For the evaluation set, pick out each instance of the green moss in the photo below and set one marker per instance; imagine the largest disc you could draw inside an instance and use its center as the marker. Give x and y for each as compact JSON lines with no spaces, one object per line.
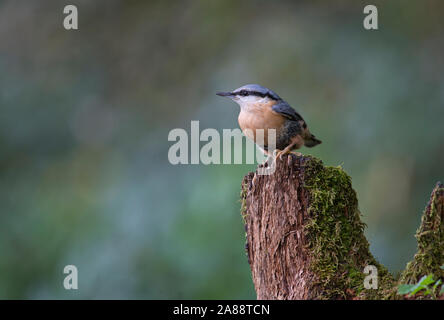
{"x":430,"y":237}
{"x":243,"y":211}
{"x":336,"y":235}
{"x":243,"y":197}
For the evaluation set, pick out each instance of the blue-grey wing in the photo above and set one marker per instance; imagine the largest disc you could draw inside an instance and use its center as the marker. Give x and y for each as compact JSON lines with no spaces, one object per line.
{"x":287,"y":111}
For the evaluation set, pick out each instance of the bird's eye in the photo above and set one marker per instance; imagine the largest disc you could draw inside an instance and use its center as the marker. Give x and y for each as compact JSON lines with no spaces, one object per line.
{"x":244,"y":93}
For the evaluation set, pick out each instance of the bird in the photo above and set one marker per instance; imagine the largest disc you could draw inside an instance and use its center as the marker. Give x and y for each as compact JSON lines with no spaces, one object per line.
{"x":262,"y":108}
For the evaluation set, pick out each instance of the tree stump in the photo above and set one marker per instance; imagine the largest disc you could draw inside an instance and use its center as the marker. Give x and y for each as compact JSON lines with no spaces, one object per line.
{"x":305,"y":238}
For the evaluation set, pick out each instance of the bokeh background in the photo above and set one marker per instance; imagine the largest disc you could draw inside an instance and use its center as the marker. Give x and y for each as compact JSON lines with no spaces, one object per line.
{"x":85,"y":116}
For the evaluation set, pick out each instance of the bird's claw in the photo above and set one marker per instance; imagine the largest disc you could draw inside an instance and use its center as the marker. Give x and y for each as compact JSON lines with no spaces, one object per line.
{"x":280,"y":153}
{"x":296,"y":153}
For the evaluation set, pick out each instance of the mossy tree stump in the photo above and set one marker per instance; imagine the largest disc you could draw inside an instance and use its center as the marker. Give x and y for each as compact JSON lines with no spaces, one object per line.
{"x":305,"y":238}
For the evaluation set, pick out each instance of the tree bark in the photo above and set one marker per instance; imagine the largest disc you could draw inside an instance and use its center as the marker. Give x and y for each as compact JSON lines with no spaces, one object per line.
{"x":305,"y":238}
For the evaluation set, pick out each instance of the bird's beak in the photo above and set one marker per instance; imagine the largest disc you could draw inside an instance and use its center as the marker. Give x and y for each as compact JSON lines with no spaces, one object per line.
{"x":225,"y":94}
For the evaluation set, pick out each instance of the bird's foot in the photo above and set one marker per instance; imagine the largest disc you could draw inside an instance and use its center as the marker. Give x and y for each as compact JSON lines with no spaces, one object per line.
{"x":296,"y":153}
{"x":277,"y":153}
{"x":280,"y":153}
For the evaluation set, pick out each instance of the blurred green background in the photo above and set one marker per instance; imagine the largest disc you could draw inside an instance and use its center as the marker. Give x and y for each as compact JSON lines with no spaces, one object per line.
{"x":85,"y":116}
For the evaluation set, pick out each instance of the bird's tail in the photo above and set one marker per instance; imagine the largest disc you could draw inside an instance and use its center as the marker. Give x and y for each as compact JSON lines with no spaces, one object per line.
{"x":312,"y":141}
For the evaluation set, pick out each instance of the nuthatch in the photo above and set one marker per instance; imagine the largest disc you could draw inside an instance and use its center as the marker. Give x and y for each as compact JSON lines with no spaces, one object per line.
{"x":261,"y":108}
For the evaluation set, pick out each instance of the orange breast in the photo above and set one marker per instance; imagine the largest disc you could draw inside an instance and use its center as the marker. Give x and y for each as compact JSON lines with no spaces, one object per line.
{"x":263,"y":118}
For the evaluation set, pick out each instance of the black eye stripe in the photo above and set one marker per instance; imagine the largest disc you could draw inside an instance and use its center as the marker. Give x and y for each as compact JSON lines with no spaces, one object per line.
{"x":250,"y":93}
{"x":245,"y":93}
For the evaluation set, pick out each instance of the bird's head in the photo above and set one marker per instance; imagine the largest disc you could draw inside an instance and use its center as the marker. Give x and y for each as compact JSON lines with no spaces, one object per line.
{"x":251,"y":95}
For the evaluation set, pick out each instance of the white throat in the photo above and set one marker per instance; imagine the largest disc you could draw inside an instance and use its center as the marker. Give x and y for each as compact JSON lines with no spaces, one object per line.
{"x":249,"y":103}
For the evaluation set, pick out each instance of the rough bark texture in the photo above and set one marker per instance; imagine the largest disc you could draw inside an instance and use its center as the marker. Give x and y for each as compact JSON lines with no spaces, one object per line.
{"x":305,"y":237}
